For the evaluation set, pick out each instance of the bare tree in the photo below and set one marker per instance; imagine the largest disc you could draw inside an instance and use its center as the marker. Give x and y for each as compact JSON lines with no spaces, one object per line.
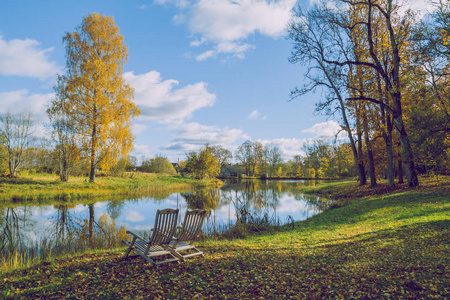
{"x":274,"y":158}
{"x":16,"y":133}
{"x":311,"y":38}
{"x":335,"y":52}
{"x":64,"y":133}
{"x":223,"y":156}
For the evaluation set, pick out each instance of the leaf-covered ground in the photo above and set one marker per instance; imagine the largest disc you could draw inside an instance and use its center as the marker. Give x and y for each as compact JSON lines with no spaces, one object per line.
{"x":391,"y":246}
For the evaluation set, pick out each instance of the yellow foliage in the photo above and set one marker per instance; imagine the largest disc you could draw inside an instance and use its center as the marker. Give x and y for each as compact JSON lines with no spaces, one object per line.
{"x":445,"y":36}
{"x":105,"y":234}
{"x":95,"y":94}
{"x":279,"y":172}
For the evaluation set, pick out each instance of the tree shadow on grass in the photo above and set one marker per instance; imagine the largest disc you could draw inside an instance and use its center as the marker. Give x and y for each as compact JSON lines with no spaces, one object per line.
{"x":409,"y":262}
{"x":404,"y":206}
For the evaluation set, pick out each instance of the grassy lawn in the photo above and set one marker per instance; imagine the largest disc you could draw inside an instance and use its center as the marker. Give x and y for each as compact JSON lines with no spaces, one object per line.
{"x":385,"y":244}
{"x":43,"y":187}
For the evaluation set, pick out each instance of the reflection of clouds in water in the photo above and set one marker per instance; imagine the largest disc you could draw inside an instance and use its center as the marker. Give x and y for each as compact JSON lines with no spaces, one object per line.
{"x":290,"y":205}
{"x":100,"y":204}
{"x":223,"y":213}
{"x":134,"y":216}
{"x":79,"y":208}
{"x":36,"y":226}
{"x":139,"y":214}
{"x":46,"y":210}
{"x":139,"y":229}
{"x":286,"y":205}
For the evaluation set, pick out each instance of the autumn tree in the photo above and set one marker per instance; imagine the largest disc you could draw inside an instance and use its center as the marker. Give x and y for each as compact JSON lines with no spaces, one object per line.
{"x":381,"y":15}
{"x":311,"y":39}
{"x":65,"y":135}
{"x":429,"y":86}
{"x":202,"y":164}
{"x":3,"y":159}
{"x":223,"y":156}
{"x":273,"y":158}
{"x":158,"y":164}
{"x":339,"y":25}
{"x":244,"y":154}
{"x":258,"y":158}
{"x":94,"y":94}
{"x":16,"y":135}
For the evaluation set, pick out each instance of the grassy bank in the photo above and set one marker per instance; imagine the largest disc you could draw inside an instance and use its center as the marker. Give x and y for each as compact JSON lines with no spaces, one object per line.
{"x":45,"y":187}
{"x":391,"y":245}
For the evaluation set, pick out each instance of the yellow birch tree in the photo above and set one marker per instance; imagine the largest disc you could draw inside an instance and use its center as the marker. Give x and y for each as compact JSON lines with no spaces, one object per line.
{"x":94,"y":94}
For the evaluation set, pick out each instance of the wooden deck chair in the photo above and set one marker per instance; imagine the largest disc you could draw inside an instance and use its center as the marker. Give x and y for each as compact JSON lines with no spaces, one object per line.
{"x":190,"y":230}
{"x":162,"y":234}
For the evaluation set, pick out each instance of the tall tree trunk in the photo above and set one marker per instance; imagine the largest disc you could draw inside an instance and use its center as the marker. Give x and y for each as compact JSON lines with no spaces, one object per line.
{"x":361,"y":168}
{"x":407,"y":154}
{"x":390,"y":157}
{"x":92,"y":171}
{"x":352,"y":140}
{"x":400,"y":171}
{"x":373,"y":179}
{"x":393,"y":87}
{"x":387,"y":135}
{"x":63,"y":167}
{"x":91,"y":224}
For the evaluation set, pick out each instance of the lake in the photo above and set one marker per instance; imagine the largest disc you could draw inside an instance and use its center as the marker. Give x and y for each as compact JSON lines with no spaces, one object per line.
{"x":73,"y":227}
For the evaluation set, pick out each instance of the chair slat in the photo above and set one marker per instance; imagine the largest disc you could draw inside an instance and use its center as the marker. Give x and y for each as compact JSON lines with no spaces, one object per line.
{"x":160,"y":239}
{"x":192,"y":226}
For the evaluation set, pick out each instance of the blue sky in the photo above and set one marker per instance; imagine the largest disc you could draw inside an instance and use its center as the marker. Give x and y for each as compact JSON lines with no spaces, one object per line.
{"x":204,"y":71}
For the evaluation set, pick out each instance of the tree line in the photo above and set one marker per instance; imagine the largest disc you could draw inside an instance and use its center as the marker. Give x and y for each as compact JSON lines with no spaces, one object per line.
{"x":383,"y":71}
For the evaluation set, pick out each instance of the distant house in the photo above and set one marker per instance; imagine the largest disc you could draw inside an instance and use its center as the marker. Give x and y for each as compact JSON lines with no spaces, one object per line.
{"x":228,"y":170}
{"x":176,"y":166}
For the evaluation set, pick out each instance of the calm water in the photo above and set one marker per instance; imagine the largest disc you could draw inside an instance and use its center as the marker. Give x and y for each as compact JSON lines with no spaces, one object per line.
{"x":277,"y":201}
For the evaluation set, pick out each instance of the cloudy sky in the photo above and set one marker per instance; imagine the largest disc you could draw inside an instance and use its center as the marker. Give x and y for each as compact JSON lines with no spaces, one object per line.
{"x":204,"y":71}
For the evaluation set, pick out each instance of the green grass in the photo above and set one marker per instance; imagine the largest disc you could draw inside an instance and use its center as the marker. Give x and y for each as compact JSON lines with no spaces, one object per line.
{"x":48,"y":187}
{"x":391,"y":245}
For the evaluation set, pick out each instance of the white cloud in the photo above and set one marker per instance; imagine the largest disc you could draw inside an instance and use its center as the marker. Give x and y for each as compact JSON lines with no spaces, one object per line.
{"x":326,"y":129}
{"x":197,"y":43}
{"x":232,"y":49}
{"x":193,"y":136}
{"x":288,"y":147}
{"x":22,"y":101}
{"x":420,"y":6}
{"x":134,"y":216}
{"x":178,"y":3}
{"x":159,"y":100}
{"x":205,"y":55}
{"x":16,"y":101}
{"x":255,"y":115}
{"x":227,"y":23}
{"x":138,"y":128}
{"x":141,"y":151}
{"x":25,"y":58}
{"x":226,"y":20}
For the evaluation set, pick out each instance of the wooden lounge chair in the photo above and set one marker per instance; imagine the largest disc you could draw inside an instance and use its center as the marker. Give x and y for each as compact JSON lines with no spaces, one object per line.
{"x":162,"y":234}
{"x":190,"y":230}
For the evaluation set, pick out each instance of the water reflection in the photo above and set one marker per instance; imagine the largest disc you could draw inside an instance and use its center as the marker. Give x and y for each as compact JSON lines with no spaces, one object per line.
{"x":36,"y":231}
{"x":254,"y":201}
